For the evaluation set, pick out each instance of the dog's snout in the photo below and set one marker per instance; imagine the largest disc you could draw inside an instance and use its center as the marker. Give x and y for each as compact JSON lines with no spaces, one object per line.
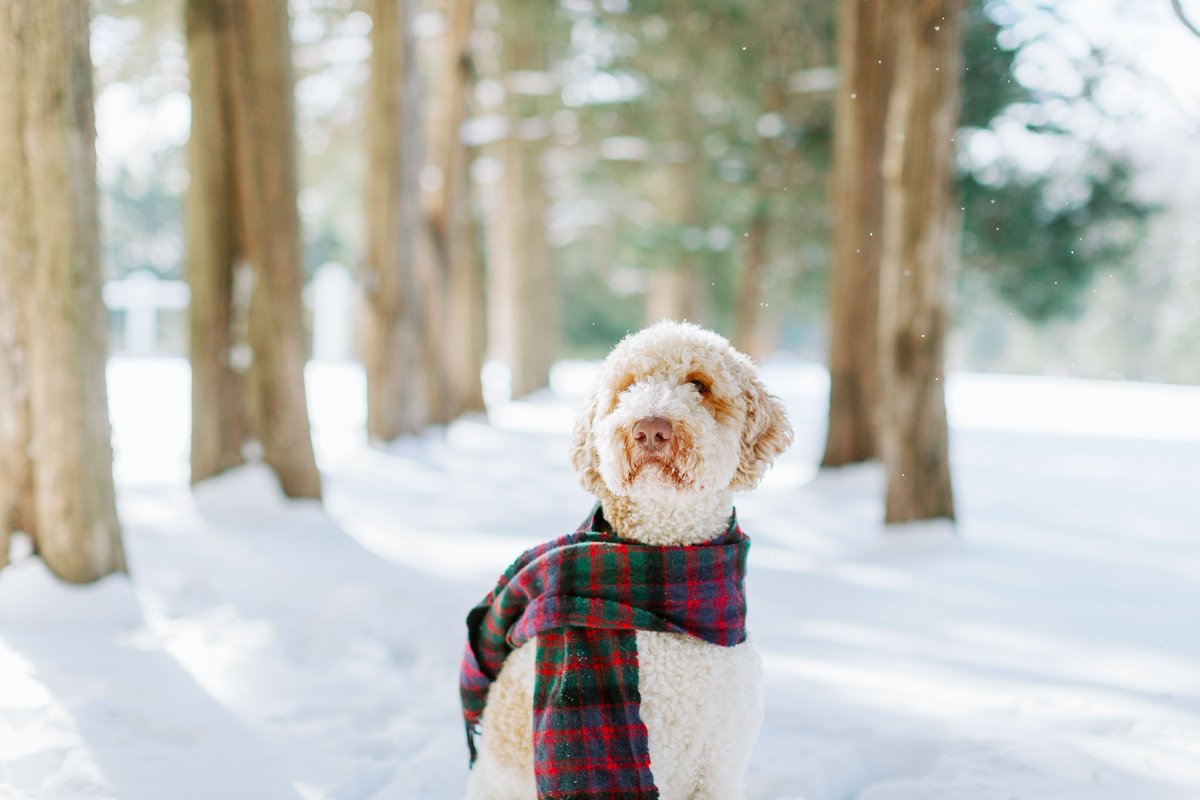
{"x":652,"y":433}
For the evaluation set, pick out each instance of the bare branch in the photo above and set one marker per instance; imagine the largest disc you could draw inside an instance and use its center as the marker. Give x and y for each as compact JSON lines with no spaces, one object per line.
{"x":1191,"y":26}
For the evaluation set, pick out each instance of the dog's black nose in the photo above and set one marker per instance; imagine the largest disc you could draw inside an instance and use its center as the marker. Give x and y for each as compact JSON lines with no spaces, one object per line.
{"x":652,"y":433}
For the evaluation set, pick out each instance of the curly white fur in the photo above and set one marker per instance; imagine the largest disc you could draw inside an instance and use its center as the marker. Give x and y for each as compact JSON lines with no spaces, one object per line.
{"x":702,"y":703}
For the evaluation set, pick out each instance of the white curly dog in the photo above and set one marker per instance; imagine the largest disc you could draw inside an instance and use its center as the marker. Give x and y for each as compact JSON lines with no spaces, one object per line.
{"x":677,"y":421}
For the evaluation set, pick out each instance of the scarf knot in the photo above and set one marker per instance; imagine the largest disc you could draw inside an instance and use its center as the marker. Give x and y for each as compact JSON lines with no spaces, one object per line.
{"x":585,"y":596}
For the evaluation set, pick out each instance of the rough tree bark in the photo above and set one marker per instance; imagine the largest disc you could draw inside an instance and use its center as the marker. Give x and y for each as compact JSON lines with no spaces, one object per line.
{"x":865,"y":57}
{"x":16,"y":267}
{"x":919,"y":241}
{"x":54,"y":337}
{"x":393,"y":317}
{"x":524,"y":307}
{"x":456,"y":255}
{"x":217,"y":328}
{"x":244,"y":262}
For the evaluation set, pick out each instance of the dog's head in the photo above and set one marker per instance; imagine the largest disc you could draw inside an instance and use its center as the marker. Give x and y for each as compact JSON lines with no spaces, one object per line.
{"x":677,"y":409}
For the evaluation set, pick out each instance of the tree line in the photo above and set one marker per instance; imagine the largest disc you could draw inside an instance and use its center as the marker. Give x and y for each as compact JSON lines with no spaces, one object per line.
{"x":423,"y":323}
{"x":713,"y":129}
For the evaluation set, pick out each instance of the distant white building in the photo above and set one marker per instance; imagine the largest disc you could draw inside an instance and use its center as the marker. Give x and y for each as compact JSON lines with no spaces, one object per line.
{"x":140,"y":298}
{"x":148,"y":314}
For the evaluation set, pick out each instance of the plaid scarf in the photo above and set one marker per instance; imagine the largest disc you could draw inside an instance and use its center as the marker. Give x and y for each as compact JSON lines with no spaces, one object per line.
{"x":585,"y":596}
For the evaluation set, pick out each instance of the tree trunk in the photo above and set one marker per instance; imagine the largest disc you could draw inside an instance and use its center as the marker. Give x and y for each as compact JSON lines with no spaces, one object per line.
{"x":523,"y":291}
{"x":217,"y":315}
{"x":466,"y":312}
{"x":16,"y":268}
{"x":245,"y":145}
{"x":678,"y":292}
{"x":453,"y":234}
{"x":917,"y":251}
{"x":748,"y":335}
{"x":531,"y":297}
{"x":755,"y":330}
{"x":392,"y":312}
{"x":674,"y":293}
{"x":860,"y":112}
{"x":54,"y":235}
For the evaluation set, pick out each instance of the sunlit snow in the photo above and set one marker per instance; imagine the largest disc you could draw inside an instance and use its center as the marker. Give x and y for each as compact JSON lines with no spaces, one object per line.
{"x":1046,"y":649}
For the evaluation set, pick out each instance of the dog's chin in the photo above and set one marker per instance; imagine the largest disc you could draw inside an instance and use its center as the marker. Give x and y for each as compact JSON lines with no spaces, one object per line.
{"x":657,"y":479}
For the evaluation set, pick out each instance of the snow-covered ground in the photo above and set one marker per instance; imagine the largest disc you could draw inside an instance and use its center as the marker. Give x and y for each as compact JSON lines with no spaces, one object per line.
{"x":271,"y":649}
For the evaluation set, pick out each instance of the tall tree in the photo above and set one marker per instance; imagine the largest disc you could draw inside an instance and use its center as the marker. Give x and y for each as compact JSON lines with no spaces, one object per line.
{"x":55,"y":449}
{"x":16,"y":265}
{"x":393,"y":316}
{"x":787,"y":53}
{"x":676,"y":291}
{"x":865,"y":59}
{"x":523,"y":286}
{"x":673,"y":159}
{"x":747,"y":315}
{"x":456,"y":274}
{"x":243,"y":234}
{"x":919,"y":244}
{"x":676,"y":179}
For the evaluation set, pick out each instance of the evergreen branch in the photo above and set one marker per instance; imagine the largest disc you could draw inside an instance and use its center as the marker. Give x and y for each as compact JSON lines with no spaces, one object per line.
{"x":1191,"y":26}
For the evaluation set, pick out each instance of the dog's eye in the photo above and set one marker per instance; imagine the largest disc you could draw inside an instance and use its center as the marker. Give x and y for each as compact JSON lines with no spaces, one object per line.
{"x":700,"y":385}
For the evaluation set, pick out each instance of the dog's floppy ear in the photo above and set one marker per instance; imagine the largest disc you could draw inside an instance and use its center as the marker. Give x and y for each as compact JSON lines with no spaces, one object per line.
{"x":766,"y":434}
{"x":584,"y":457}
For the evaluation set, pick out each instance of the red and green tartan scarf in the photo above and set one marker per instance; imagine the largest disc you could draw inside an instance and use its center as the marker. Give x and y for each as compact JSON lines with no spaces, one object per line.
{"x":585,"y":596}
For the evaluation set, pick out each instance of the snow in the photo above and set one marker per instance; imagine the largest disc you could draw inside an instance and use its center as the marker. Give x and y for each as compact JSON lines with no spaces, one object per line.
{"x":1047,"y":647}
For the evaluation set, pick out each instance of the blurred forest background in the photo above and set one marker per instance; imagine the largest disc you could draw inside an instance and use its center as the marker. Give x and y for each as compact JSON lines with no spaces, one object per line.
{"x":677,"y":147}
{"x":453,"y":189}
